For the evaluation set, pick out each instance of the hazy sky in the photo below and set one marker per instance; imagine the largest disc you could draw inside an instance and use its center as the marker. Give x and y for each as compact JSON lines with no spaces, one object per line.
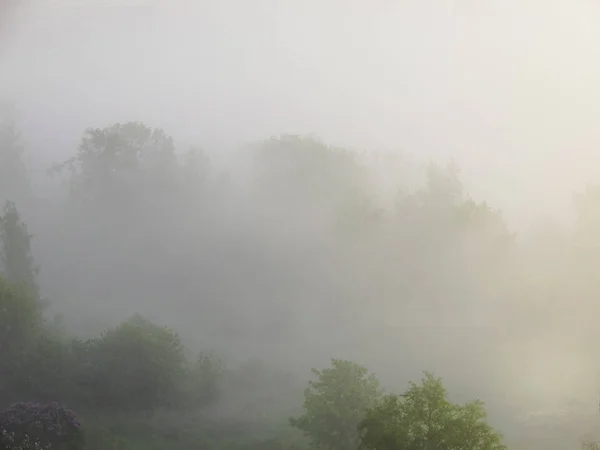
{"x":507,"y":87}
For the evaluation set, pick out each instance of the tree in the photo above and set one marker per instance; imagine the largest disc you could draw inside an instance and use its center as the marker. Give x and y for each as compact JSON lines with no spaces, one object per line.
{"x":121,"y":161}
{"x":20,"y":317}
{"x":135,"y":366}
{"x":13,"y":173}
{"x":424,"y":419}
{"x":335,"y":403}
{"x":302,"y":174}
{"x":195,"y":169}
{"x":16,"y":261}
{"x":201,"y":386}
{"x":208,"y":370}
{"x":452,"y":249}
{"x":20,"y":321}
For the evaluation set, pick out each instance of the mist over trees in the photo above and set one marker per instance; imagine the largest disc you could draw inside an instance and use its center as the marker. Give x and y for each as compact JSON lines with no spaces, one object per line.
{"x":228,"y":284}
{"x":13,"y":171}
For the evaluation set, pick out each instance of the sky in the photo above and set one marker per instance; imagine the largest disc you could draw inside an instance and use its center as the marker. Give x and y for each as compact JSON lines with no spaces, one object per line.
{"x":509,"y":89}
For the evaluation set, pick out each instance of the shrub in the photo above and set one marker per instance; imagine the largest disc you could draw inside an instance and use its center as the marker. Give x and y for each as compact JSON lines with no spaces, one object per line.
{"x":20,"y":322}
{"x":47,"y":361}
{"x":135,"y":366}
{"x":40,"y":425}
{"x":8,"y":441}
{"x":20,"y":316}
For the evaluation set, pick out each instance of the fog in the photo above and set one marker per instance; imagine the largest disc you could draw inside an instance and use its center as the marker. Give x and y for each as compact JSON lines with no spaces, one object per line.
{"x":245,"y":256}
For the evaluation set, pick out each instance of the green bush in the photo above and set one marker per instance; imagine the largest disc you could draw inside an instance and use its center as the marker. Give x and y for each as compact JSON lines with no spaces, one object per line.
{"x":20,"y":323}
{"x":20,"y":317}
{"x":135,"y":366}
{"x":47,"y":361}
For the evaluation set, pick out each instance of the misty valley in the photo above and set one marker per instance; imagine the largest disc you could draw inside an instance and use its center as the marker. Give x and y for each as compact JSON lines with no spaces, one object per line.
{"x":151,"y":299}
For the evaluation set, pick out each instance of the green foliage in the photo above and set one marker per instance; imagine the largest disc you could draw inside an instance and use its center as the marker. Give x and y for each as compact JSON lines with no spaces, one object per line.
{"x":25,"y":340}
{"x":201,"y":383}
{"x":16,"y":261}
{"x":423,"y":418}
{"x":48,"y":363}
{"x":116,"y":161}
{"x":20,"y":316}
{"x":177,"y":431}
{"x":195,"y":169}
{"x":207,"y":373}
{"x":20,"y":322}
{"x":134,"y":366}
{"x":335,"y":403}
{"x":437,"y":233}
{"x":443,"y":188}
{"x":304,"y":172}
{"x":442,"y":209}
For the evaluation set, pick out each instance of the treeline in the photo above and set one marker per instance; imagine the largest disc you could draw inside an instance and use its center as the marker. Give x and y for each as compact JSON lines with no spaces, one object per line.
{"x":245,"y":259}
{"x":134,"y":368}
{"x":143,"y":370}
{"x":139,"y":368}
{"x":297,"y":250}
{"x":296,"y":222}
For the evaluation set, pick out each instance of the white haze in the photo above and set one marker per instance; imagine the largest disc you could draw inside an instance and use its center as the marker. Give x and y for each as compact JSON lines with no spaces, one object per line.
{"x":509,"y":89}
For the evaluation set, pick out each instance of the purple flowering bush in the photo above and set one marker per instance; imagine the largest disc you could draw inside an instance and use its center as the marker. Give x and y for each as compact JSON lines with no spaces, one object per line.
{"x":9,"y":441}
{"x":40,"y":426}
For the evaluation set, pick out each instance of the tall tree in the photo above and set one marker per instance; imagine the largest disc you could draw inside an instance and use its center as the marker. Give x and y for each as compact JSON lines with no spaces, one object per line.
{"x":195,"y":169}
{"x":335,"y":403}
{"x":16,"y":260}
{"x":14,"y":184}
{"x":121,"y":162}
{"x":306,"y":178}
{"x":20,"y":317}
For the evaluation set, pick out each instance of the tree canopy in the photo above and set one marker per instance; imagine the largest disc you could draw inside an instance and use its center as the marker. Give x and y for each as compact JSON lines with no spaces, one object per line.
{"x":423,"y":418}
{"x":335,"y":403}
